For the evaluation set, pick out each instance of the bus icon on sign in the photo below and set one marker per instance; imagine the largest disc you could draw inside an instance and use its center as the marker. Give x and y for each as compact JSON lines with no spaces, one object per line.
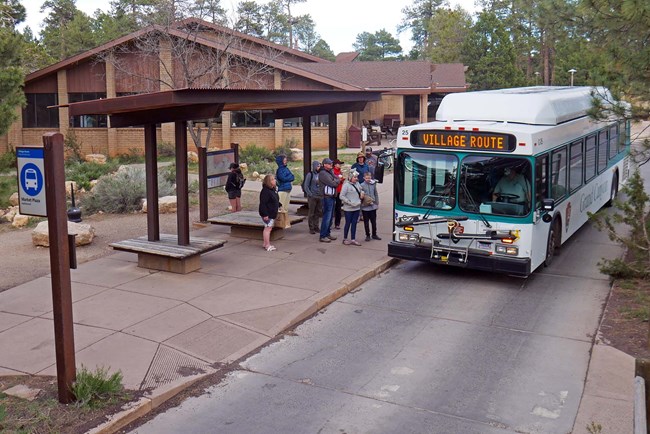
{"x":31,"y":180}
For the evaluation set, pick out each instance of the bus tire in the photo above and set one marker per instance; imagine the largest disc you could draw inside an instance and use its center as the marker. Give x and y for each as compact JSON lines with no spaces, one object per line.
{"x":614,"y":190}
{"x":552,"y":244}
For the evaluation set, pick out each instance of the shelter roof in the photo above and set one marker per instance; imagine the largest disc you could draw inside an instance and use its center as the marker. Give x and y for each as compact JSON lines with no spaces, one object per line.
{"x":192,"y":104}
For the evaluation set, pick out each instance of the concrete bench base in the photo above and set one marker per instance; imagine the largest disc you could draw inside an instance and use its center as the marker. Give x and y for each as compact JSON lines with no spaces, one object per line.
{"x":248,"y":224}
{"x":161,"y":263}
{"x":254,"y":233}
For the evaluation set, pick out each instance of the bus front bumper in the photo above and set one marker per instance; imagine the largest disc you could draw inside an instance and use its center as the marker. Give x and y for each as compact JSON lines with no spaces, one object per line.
{"x":474,"y":259}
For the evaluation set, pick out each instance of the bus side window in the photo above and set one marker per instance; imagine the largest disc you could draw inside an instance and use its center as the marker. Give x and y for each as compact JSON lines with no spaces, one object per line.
{"x":541,"y":180}
{"x":558,"y":174}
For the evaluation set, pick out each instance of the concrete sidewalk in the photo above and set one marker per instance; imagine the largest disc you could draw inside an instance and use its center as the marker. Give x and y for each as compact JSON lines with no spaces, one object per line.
{"x":164,"y":331}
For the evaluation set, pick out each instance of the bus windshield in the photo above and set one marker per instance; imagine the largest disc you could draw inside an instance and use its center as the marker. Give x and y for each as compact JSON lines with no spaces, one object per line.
{"x":495,"y":185}
{"x":476,"y":184}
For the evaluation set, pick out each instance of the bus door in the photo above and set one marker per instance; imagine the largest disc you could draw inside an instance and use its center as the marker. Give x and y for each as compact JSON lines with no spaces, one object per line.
{"x":541,"y":184}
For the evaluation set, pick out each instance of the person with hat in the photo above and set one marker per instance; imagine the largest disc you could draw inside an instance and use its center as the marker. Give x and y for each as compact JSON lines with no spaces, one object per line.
{"x":328,"y":184}
{"x":371,"y":161}
{"x":234,"y":184}
{"x":361,"y":166}
{"x":314,"y":197}
{"x":338,"y":213}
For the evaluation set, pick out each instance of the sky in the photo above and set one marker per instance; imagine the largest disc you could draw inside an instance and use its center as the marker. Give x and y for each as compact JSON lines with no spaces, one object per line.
{"x":337,"y":21}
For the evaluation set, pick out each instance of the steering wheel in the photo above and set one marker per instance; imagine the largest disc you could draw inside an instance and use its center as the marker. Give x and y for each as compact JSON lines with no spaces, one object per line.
{"x":507,"y":196}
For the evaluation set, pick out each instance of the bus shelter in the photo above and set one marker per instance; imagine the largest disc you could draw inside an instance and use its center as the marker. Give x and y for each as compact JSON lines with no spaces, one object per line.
{"x":181,"y":105}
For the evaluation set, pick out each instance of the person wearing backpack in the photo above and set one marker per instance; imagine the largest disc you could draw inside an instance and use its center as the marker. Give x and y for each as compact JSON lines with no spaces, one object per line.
{"x":314,"y":197}
{"x":284,"y":179}
{"x":234,"y":184}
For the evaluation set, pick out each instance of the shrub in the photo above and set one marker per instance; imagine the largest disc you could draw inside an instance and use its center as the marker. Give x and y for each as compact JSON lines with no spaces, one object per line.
{"x":133,"y":156}
{"x":122,"y":191}
{"x":8,"y":160}
{"x":92,"y":389}
{"x":253,"y":154}
{"x":262,"y":167}
{"x":72,"y":147}
{"x":84,"y":172}
{"x":286,"y":148}
{"x":168,"y":173}
{"x":166,"y":149}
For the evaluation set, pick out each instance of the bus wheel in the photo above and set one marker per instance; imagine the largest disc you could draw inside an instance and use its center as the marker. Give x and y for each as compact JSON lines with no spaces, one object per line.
{"x":552,"y":244}
{"x":614,"y":191}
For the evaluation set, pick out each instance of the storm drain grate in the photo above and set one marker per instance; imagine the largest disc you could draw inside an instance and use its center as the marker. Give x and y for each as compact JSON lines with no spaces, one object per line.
{"x":169,"y":364}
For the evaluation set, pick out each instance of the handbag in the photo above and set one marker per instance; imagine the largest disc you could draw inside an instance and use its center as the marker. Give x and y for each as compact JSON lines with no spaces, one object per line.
{"x":367,"y":200}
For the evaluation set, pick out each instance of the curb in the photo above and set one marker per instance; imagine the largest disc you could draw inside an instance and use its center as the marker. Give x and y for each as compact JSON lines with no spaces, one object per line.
{"x":144,"y":405}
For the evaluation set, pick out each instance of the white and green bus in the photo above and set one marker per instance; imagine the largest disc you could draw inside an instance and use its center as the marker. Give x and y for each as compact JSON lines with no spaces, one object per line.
{"x":504,"y":177}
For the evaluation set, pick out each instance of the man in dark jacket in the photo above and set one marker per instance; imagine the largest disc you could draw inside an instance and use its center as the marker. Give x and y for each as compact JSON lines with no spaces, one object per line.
{"x":284,"y":179}
{"x":314,"y":197}
{"x":328,"y":183}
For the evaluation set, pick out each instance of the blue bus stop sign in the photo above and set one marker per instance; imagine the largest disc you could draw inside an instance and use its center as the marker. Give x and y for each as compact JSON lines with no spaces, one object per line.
{"x":31,"y":181}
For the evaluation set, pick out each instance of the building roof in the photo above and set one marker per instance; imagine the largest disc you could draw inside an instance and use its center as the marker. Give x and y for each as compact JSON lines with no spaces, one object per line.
{"x":536,"y":105}
{"x":398,"y":77}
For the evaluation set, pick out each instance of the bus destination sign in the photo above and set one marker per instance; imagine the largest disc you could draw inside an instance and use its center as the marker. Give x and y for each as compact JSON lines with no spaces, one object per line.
{"x":465,"y":140}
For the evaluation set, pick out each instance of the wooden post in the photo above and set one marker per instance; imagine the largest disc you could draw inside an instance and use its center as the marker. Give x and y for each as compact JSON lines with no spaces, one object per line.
{"x":306,"y":145}
{"x":182,"y":190}
{"x":642,"y":369}
{"x":333,"y":145}
{"x":57,"y":224}
{"x":203,"y":184}
{"x":151,"y":176}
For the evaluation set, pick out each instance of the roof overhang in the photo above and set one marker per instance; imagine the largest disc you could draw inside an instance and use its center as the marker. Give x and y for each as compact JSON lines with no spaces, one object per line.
{"x":192,"y":104}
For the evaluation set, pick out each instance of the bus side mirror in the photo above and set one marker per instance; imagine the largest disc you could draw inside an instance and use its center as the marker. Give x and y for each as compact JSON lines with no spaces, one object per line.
{"x":548,"y":205}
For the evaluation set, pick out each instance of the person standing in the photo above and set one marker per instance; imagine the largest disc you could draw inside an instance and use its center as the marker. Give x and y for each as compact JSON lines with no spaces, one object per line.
{"x":371,"y":161}
{"x":369,"y":206}
{"x":328,"y":183}
{"x":337,"y":200}
{"x":351,"y":196}
{"x":284,"y":178}
{"x":269,"y":204}
{"x":314,"y":198}
{"x":234,"y":184}
{"x":360,"y":166}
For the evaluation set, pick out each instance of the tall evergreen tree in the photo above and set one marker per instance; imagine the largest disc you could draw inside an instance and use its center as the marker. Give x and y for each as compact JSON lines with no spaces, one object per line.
{"x":448,"y":29}
{"x":322,"y":50}
{"x":490,"y":55}
{"x":249,"y":19}
{"x":67,"y":30}
{"x":11,"y":73}
{"x":380,"y":45}
{"x":416,"y":18}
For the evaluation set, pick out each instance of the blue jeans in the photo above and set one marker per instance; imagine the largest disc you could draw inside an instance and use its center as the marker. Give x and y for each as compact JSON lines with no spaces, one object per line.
{"x":351,"y":219}
{"x":328,"y":207}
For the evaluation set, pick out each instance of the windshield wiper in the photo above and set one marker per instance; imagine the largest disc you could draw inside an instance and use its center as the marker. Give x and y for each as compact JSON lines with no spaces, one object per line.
{"x":473,"y":203}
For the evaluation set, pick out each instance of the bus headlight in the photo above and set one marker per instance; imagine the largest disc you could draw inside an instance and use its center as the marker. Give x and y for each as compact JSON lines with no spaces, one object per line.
{"x":405,"y":236}
{"x":507,"y":250}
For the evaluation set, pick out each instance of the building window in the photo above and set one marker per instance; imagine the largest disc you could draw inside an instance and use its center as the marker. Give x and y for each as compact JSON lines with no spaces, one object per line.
{"x":36,"y":113}
{"x":87,"y":121}
{"x":316,"y":121}
{"x":411,"y":109}
{"x":253,"y":118}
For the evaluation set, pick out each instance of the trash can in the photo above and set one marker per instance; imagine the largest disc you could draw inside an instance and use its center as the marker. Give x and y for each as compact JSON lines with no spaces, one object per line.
{"x":354,"y":137}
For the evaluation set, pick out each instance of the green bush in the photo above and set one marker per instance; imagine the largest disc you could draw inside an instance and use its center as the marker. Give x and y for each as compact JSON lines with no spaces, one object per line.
{"x":253,"y":154}
{"x":168,"y":173}
{"x":122,"y":191}
{"x":166,"y":149}
{"x":133,"y":156}
{"x":286,"y":148}
{"x":262,"y":167}
{"x":92,"y":389}
{"x":8,"y":160}
{"x":84,"y":172}
{"x":8,"y":186}
{"x":72,"y":147}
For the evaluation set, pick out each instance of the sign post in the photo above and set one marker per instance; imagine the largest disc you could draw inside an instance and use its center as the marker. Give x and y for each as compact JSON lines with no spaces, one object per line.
{"x":57,"y":223}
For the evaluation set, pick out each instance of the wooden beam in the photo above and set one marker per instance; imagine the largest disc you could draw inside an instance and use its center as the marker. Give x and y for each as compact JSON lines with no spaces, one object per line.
{"x":163,"y":115}
{"x":306,"y":145}
{"x":151,"y":176}
{"x":333,"y":149}
{"x":182,"y":190}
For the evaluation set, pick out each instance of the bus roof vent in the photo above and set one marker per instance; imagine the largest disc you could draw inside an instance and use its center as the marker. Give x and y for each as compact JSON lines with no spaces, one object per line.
{"x":537,"y":105}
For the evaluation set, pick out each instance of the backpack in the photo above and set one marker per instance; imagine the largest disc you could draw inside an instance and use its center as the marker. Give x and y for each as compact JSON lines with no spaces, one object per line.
{"x":242,"y":181}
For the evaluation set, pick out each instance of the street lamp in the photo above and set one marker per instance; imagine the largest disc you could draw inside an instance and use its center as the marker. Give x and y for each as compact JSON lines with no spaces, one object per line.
{"x":536,"y":77}
{"x":572,"y":71}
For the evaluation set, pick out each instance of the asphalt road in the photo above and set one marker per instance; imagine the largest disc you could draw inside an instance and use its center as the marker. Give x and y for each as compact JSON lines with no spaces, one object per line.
{"x":423,"y":349}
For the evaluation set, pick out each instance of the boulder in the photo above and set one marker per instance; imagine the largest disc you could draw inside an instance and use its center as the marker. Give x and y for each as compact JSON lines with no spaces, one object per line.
{"x":166,"y":205}
{"x":68,"y":186}
{"x":84,"y":234}
{"x":256,"y":174}
{"x":10,"y":213}
{"x":296,"y":154}
{"x":93,"y":183}
{"x":243,"y":167}
{"x":13,"y":199}
{"x":192,"y":157}
{"x":96,"y":158}
{"x":20,"y":221}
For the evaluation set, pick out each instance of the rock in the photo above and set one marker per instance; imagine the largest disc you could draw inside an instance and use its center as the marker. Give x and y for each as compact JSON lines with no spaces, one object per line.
{"x":11,"y":212}
{"x":166,"y":205}
{"x":256,"y":174}
{"x":96,"y":158}
{"x":23,"y":392}
{"x":84,"y":234}
{"x":20,"y":221}
{"x":243,"y":167}
{"x":93,"y":183}
{"x":296,"y":154}
{"x":13,"y":199}
{"x":192,"y":157}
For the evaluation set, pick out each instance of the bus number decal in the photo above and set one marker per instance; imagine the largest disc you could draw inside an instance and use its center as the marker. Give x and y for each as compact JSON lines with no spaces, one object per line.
{"x":476,"y":141}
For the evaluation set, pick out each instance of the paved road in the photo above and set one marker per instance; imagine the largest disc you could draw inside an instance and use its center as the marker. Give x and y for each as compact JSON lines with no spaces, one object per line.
{"x":423,"y":349}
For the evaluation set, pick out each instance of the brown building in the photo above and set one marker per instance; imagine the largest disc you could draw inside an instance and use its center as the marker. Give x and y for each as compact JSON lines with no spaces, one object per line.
{"x":194,"y":53}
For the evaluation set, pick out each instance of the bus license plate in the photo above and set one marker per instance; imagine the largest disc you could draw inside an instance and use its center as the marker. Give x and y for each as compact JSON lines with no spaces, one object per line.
{"x":484,"y":246}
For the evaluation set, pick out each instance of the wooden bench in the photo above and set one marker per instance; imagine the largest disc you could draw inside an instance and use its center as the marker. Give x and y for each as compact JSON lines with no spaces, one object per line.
{"x":248,"y":224}
{"x":167,"y":254}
